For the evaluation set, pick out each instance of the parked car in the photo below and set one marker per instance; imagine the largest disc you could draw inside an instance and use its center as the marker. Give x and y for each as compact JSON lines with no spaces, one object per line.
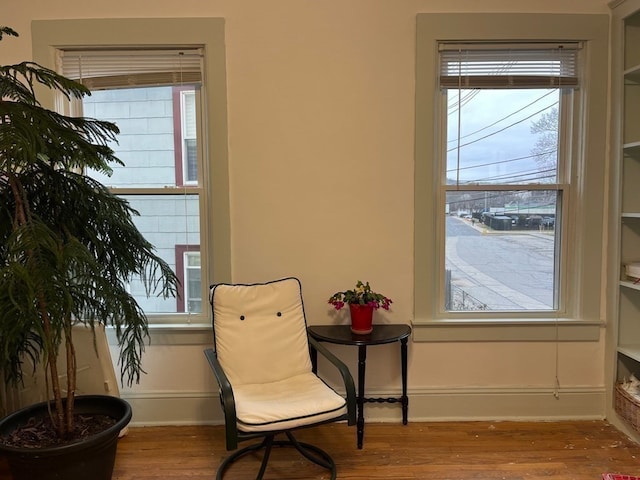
{"x":533,"y":221}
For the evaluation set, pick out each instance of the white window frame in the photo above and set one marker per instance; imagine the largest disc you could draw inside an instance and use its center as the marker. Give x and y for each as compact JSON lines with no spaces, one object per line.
{"x":50,"y":35}
{"x":580,"y":316}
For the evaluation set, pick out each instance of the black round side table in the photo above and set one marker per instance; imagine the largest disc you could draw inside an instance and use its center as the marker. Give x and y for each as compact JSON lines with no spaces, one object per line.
{"x":381,"y":334}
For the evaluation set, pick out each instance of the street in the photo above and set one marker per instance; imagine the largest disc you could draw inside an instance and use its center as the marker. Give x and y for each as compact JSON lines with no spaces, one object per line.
{"x":500,"y":270}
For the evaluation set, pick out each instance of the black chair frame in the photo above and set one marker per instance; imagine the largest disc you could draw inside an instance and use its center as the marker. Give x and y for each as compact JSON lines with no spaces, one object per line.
{"x":234,"y":436}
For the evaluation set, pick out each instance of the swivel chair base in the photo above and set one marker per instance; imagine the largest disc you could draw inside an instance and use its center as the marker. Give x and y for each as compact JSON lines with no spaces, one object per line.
{"x":310,"y":452}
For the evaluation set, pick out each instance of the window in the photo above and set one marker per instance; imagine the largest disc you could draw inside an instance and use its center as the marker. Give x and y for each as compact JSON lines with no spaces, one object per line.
{"x":150,"y":81}
{"x":509,"y":175}
{"x":185,"y":140}
{"x":189,"y":297}
{"x":192,"y":282}
{"x":144,"y":114}
{"x":507,"y":115}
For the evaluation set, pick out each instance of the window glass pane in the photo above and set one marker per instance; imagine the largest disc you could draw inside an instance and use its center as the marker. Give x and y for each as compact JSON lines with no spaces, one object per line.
{"x":146,"y":140}
{"x":502,"y":136}
{"x":193,"y":285}
{"x":191,"y":160}
{"x":165,"y":221}
{"x":188,"y":113}
{"x":500,"y":252}
{"x":195,"y":306}
{"x":193,"y":259}
{"x":150,"y":128}
{"x":189,"y":147}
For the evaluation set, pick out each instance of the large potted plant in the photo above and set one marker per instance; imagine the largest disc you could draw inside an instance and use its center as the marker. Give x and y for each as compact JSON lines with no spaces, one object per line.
{"x":68,"y":248}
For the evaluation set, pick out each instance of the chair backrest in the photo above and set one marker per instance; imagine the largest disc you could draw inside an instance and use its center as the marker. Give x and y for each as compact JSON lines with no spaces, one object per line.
{"x":260,"y":331}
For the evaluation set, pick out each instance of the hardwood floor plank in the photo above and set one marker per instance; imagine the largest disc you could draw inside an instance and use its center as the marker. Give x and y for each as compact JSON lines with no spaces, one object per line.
{"x":427,"y":451}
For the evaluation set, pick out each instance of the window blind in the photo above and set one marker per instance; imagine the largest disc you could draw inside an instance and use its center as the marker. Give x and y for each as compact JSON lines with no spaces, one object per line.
{"x":102,"y":69}
{"x":509,"y":66}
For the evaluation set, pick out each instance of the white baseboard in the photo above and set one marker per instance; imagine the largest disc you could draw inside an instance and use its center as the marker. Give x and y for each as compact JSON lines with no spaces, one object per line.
{"x":425,"y":405}
{"x":517,"y":403}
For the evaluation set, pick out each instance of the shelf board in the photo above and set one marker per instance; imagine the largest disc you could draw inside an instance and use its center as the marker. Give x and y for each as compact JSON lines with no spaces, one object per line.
{"x":632,"y":74}
{"x":631,"y":148}
{"x":631,"y":351}
{"x":630,"y":215}
{"x":630,"y":284}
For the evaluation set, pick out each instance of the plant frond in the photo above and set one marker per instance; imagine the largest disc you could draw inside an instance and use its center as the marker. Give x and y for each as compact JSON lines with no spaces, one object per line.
{"x":7,"y":31}
{"x":30,"y":134}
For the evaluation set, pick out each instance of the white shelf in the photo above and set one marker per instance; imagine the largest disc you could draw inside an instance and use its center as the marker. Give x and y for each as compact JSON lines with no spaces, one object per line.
{"x":632,"y":74}
{"x":626,"y":105}
{"x":630,"y":284}
{"x":632,"y":148}
{"x":631,"y":351}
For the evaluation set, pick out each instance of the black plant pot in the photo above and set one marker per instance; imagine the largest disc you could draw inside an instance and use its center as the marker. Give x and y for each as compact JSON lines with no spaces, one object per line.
{"x":89,"y":459}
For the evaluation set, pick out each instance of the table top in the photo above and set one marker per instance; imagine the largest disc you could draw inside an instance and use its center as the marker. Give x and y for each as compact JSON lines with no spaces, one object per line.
{"x":342,"y":334}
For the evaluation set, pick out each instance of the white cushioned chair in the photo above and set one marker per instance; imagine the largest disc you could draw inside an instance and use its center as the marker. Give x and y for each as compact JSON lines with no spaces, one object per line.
{"x":262,"y":364}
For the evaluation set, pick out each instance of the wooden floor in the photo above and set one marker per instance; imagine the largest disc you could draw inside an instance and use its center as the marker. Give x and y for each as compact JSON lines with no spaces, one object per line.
{"x":443,"y":451}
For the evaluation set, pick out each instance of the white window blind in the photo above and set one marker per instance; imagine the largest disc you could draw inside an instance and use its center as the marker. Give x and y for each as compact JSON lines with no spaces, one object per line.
{"x":509,"y":66}
{"x":100,"y":69}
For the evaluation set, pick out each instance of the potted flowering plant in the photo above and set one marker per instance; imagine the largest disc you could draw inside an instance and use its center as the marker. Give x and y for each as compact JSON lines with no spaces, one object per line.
{"x":362,"y":302}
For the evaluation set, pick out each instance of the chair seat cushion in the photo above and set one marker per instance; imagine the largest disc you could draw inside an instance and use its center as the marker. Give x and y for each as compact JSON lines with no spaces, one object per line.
{"x":286,"y":404}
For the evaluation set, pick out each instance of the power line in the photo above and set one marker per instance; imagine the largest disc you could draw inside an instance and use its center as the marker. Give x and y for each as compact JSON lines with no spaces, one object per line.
{"x":484,"y":197}
{"x":501,"y":130}
{"x":504,"y":118}
{"x":535,"y":174}
{"x":520,"y":179}
{"x":463,"y":100}
{"x":503,"y":161}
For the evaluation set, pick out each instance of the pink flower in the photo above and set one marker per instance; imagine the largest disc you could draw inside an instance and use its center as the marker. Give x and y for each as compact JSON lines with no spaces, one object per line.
{"x":338,"y":305}
{"x":360,"y":295}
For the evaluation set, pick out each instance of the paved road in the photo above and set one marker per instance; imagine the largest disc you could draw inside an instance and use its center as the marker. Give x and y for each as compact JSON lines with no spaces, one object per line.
{"x":504,"y":271}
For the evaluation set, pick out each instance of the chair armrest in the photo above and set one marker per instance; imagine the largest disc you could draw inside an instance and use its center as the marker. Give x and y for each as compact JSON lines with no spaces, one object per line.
{"x":349,"y":385}
{"x":226,"y":399}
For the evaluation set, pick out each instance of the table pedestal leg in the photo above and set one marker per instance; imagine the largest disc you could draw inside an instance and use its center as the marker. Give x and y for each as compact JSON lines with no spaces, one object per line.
{"x":314,"y":359}
{"x":362,"y":357}
{"x":405,"y":398}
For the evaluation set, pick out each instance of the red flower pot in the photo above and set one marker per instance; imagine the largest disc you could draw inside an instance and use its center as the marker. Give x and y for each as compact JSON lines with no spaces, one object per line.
{"x":361,"y":318}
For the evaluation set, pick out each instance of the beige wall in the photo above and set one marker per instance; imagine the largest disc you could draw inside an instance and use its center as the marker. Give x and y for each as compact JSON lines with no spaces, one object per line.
{"x":321,"y":144}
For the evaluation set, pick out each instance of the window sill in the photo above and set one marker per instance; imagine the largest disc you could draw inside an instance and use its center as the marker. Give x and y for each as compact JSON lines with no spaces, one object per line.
{"x":525,"y":330}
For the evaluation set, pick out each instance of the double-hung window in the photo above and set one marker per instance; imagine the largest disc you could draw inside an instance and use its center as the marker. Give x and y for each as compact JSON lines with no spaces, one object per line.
{"x":154,"y":97}
{"x":509,"y":176}
{"x":163,"y":82}
{"x":507,"y":111}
